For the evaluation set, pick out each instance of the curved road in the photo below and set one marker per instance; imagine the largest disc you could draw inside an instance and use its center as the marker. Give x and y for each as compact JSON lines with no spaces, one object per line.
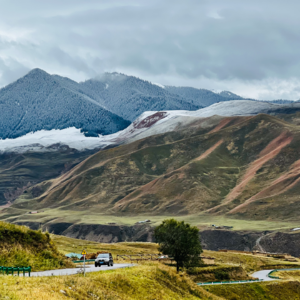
{"x":88,"y":269}
{"x":263,"y":275}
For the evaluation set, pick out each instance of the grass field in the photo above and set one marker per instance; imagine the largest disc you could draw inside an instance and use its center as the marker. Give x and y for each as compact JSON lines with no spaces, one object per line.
{"x":67,"y":245}
{"x":288,"y":275}
{"x":203,"y":221}
{"x":151,"y":281}
{"x":258,"y":291}
{"x":249,"y":262}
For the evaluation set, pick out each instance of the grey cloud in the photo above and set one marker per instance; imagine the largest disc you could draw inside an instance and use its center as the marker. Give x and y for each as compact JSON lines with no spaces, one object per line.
{"x":11,"y":70}
{"x":234,"y":42}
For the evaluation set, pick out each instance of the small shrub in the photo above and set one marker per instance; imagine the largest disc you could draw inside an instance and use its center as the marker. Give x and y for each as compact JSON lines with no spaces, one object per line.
{"x":222,"y":275}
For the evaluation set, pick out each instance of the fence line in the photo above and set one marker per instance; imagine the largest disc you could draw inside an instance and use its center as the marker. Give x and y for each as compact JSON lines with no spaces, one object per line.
{"x":229,"y":282}
{"x":11,"y":270}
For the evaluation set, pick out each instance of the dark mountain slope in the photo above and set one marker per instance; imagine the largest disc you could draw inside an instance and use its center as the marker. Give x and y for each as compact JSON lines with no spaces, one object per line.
{"x":18,"y":172}
{"x":129,"y":96}
{"x":230,"y":96}
{"x":200,"y":96}
{"x":41,"y":101}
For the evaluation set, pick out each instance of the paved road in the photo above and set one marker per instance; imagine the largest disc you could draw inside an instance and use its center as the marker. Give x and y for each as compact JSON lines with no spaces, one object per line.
{"x":263,"y":275}
{"x":231,"y":282}
{"x":89,"y":268}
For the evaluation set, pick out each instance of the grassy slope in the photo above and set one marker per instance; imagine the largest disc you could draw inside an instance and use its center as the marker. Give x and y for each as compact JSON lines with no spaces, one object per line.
{"x":90,"y":216}
{"x":177,"y":174}
{"x":250,"y":263}
{"x":142,"y":282}
{"x":150,"y":281}
{"x":258,"y":291}
{"x":20,"y":246}
{"x":288,"y":275}
{"x":222,"y":272}
{"x":20,"y":171}
{"x":67,"y":245}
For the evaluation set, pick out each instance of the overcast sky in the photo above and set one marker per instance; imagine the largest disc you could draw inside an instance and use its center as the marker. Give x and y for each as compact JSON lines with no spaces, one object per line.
{"x":248,"y":47}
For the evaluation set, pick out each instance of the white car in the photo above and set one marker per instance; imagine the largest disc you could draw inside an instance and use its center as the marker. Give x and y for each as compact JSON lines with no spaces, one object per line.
{"x":104,"y":259}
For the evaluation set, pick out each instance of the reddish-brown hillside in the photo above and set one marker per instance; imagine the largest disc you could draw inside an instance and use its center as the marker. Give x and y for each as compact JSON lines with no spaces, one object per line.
{"x":239,"y":166}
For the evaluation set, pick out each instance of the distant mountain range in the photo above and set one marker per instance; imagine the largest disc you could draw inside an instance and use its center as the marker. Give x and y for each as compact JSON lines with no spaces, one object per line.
{"x":41,"y":101}
{"x":103,"y":105}
{"x":129,"y":97}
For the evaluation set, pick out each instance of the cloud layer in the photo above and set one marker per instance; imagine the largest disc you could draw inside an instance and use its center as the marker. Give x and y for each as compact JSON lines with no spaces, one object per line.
{"x":248,"y":47}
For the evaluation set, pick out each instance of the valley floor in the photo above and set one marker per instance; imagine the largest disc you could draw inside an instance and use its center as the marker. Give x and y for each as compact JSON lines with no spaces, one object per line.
{"x":87,"y":216}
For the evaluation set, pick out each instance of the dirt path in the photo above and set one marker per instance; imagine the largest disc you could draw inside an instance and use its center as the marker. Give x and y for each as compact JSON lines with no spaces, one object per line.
{"x":259,"y":247}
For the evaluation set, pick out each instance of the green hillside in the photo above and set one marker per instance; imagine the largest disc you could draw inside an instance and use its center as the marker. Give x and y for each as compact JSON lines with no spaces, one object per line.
{"x":21,"y":171}
{"x":22,"y":247}
{"x":241,"y":167}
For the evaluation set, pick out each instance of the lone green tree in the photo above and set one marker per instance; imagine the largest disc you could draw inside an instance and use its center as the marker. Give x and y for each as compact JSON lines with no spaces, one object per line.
{"x":179,"y":240}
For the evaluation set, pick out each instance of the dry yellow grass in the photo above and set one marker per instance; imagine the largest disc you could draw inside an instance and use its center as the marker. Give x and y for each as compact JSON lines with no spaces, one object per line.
{"x":20,"y":246}
{"x":250,"y":262}
{"x":288,"y":275}
{"x":66,"y":245}
{"x":148,"y":281}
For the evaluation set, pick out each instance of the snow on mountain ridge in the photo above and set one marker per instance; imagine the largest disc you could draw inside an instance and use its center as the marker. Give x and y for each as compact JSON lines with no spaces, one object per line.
{"x":147,"y":124}
{"x":40,"y":101}
{"x":158,"y":84}
{"x":42,"y":140}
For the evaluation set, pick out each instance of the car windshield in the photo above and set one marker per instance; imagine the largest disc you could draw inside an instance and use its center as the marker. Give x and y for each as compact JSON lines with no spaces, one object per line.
{"x":103,"y":255}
